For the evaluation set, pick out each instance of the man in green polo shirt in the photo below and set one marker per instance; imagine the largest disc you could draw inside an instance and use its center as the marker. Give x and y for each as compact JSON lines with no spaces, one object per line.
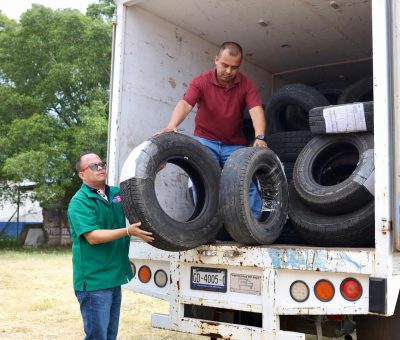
{"x":100,"y":245}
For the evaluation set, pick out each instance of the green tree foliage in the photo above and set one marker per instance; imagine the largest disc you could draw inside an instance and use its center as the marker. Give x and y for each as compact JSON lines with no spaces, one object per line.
{"x":104,"y":9}
{"x":54,"y":76}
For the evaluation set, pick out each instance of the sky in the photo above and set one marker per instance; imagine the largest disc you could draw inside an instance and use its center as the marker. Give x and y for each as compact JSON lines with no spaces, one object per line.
{"x":14,"y":8}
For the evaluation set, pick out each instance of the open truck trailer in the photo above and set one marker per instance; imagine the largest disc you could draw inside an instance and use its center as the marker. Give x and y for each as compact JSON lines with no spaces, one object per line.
{"x":158,"y":47}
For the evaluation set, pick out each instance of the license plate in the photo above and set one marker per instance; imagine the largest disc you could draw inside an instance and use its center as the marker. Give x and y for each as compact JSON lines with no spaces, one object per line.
{"x":211,"y":279}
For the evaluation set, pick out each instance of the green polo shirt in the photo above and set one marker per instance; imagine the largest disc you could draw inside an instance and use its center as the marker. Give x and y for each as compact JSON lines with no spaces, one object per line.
{"x":104,"y":265}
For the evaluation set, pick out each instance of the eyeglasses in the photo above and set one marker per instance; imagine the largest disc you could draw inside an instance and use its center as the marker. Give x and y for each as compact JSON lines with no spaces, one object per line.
{"x":95,"y":166}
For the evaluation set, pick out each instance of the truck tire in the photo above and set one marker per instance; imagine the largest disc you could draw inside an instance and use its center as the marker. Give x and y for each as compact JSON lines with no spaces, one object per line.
{"x":139,"y":198}
{"x":354,"y":229}
{"x":289,"y":235}
{"x":239,"y":171}
{"x":300,"y":95}
{"x":295,"y":118}
{"x":288,"y":168}
{"x":360,"y":91}
{"x":332,"y":90}
{"x":334,"y":173}
{"x":345,"y":118}
{"x":288,"y":145}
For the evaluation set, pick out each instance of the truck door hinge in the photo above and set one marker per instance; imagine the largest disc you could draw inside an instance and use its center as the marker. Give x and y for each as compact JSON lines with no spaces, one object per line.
{"x":386,"y":226}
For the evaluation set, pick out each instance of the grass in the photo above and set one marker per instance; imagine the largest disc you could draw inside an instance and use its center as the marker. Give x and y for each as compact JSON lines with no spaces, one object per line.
{"x":37,"y":299}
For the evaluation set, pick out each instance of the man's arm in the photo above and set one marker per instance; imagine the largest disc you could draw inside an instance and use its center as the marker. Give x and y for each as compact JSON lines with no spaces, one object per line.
{"x":258,"y":118}
{"x":179,"y":114}
{"x":107,"y":235}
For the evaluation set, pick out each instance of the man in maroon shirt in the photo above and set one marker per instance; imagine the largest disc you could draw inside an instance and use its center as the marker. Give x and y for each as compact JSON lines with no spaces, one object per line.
{"x":221,"y":95}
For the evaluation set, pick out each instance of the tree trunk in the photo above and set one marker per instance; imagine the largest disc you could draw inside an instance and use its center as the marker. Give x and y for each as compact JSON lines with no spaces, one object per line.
{"x":55,"y":225}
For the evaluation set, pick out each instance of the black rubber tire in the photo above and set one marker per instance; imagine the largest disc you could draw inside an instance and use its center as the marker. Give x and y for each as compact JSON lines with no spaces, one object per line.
{"x":288,"y":167}
{"x":354,"y":229}
{"x":360,"y":91}
{"x":296,"y":118}
{"x":332,"y":90}
{"x":289,"y":235}
{"x":239,"y":170}
{"x":331,"y":171}
{"x":288,"y":145}
{"x":318,"y":123}
{"x":140,"y":202}
{"x":299,"y":95}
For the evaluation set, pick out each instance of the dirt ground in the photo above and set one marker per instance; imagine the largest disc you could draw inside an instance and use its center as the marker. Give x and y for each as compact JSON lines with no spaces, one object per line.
{"x":37,"y":301}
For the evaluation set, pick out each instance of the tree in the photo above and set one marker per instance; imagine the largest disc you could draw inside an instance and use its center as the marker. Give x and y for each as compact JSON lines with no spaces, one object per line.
{"x":104,"y":9}
{"x":54,"y":76}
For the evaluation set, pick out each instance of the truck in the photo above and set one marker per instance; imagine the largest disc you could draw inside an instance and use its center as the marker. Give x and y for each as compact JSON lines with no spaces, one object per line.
{"x":158,"y":47}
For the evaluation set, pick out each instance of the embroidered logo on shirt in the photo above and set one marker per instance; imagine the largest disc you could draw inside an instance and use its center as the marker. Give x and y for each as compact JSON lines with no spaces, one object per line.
{"x":117,"y":199}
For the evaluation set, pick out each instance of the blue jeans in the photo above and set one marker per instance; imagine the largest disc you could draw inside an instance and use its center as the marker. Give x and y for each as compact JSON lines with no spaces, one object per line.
{"x":221,"y":153}
{"x":100,"y":312}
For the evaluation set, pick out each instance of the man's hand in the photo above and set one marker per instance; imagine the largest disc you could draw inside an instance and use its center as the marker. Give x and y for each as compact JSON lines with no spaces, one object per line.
{"x":134,"y":230}
{"x":260,"y":143}
{"x":165,"y":130}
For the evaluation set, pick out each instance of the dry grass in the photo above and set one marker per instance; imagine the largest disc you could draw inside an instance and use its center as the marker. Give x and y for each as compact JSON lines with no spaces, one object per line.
{"x":37,"y":301}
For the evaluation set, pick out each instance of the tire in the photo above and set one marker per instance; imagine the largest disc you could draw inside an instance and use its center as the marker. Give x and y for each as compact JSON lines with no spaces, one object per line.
{"x":238,"y":172}
{"x":360,"y":91}
{"x":289,"y":235}
{"x":139,"y":197}
{"x":354,"y":229}
{"x":288,"y":145}
{"x":345,"y":118}
{"x":298,"y":95}
{"x":333,"y":172}
{"x":288,"y":168}
{"x":332,"y":90}
{"x":296,"y":118}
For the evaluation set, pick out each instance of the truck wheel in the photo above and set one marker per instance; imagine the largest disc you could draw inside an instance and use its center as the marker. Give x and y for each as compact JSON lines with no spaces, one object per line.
{"x":139,"y":198}
{"x":354,"y":229}
{"x":345,"y":118}
{"x":334,"y":173}
{"x":288,"y":145}
{"x":242,"y":167}
{"x":299,"y":95}
{"x":360,"y":91}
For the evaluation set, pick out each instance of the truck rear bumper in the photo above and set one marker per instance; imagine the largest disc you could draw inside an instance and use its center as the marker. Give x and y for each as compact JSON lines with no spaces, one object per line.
{"x":221,"y":330}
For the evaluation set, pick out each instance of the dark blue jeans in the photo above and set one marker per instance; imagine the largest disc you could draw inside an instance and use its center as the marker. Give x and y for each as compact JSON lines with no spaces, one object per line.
{"x":221,"y":153}
{"x":100,"y":312}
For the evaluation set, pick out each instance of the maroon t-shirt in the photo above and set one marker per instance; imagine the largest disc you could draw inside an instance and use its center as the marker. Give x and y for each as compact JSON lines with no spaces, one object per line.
{"x":220,"y":109}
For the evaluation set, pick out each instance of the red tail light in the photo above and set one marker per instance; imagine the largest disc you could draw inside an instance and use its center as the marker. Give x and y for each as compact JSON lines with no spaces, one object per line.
{"x":351,"y":289}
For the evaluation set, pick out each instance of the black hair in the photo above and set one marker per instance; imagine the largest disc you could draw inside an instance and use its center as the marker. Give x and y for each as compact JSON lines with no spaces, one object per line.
{"x":78,"y":161}
{"x":234,"y":48}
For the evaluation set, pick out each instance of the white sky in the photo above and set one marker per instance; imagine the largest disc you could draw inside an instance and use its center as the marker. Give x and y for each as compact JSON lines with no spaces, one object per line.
{"x":14,"y":8}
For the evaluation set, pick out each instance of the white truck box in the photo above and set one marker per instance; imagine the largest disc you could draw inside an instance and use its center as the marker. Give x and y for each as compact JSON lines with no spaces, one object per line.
{"x":158,"y":47}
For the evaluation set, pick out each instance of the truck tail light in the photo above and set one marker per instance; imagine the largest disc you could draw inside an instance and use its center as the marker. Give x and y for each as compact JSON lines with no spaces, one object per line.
{"x":351,"y":289}
{"x":133,"y":267}
{"x":324,"y":290}
{"x":160,"y":278}
{"x":299,"y":291}
{"x":144,"y":274}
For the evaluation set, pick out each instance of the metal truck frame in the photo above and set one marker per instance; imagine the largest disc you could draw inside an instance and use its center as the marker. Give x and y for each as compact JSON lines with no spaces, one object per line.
{"x":153,"y":61}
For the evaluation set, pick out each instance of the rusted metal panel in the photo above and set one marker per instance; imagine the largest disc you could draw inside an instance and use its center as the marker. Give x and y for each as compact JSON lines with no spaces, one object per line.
{"x":347,"y":260}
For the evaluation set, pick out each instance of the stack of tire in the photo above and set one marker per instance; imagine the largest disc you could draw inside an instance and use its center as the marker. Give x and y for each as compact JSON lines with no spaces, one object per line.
{"x":331,"y":194}
{"x":222,"y":198}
